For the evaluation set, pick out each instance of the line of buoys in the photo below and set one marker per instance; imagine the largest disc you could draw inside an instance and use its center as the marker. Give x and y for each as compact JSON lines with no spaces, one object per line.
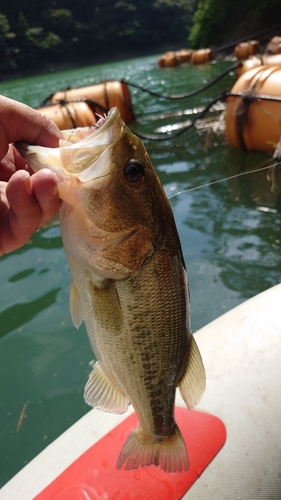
{"x":253,"y":115}
{"x":242,"y":52}
{"x":172,"y":59}
{"x":106,"y":94}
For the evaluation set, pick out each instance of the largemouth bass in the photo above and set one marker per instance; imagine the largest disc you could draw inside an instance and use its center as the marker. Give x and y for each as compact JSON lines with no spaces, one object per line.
{"x":129,"y":285}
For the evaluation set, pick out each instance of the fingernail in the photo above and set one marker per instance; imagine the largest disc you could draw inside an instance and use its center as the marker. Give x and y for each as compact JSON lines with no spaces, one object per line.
{"x":54,"y":190}
{"x":27,"y":184}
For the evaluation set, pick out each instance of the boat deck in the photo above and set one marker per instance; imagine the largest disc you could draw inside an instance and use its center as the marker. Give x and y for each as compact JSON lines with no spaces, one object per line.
{"x":241,"y":353}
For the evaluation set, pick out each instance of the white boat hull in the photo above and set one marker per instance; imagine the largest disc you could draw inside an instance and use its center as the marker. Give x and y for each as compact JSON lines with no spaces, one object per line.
{"x":241,"y":352}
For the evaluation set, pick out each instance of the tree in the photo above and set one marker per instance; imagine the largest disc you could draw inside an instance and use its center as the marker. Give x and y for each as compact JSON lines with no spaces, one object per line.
{"x":6,"y":37}
{"x":209,"y":23}
{"x":216,"y":22}
{"x":59,"y":21}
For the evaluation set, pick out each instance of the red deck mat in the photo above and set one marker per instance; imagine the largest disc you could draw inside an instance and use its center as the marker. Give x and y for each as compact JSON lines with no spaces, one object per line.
{"x":93,"y":475}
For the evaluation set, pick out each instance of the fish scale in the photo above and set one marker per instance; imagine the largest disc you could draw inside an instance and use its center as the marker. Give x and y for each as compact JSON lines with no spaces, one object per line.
{"x":150,"y":341}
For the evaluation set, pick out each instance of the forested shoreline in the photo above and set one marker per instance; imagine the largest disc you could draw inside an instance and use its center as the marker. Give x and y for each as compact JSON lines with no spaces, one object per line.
{"x":49,"y":34}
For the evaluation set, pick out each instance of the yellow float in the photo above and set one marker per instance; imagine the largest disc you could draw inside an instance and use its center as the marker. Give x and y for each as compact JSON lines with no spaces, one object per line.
{"x":106,"y":94}
{"x":245,"y":49}
{"x":184,"y":55}
{"x":253,"y":113}
{"x":259,"y":60}
{"x":70,"y":114}
{"x":172,"y":59}
{"x":168,"y":60}
{"x":274,"y":45}
{"x":202,"y":56}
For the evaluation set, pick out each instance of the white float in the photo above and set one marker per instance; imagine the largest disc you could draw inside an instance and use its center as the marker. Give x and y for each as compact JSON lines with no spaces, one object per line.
{"x":242,"y":355}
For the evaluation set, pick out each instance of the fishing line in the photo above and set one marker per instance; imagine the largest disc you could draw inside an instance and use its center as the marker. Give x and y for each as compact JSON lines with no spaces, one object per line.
{"x":226,"y":178}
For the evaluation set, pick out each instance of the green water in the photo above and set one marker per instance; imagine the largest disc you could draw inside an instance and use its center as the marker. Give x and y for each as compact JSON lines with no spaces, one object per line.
{"x":230,"y":233}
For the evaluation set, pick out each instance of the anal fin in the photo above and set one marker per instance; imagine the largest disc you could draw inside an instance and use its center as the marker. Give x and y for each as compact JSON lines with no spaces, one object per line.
{"x":101,"y":393}
{"x":193,"y":383}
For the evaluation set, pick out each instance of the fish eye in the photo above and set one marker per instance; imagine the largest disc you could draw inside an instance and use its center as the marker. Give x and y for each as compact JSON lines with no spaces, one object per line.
{"x":134,"y":171}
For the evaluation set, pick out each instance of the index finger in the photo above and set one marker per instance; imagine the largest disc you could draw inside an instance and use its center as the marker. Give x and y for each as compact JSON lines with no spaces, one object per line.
{"x":19,"y":122}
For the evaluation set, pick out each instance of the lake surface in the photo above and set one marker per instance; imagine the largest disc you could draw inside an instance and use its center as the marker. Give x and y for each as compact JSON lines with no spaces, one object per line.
{"x":230,"y":234}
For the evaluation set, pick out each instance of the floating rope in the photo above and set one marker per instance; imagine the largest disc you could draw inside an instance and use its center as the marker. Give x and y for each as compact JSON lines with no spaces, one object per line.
{"x":154,"y":137}
{"x":252,"y":96}
{"x":246,"y":96}
{"x":188,"y":94}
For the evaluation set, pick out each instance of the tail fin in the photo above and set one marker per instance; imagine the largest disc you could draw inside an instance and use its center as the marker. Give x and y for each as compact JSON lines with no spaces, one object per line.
{"x":140,"y":451}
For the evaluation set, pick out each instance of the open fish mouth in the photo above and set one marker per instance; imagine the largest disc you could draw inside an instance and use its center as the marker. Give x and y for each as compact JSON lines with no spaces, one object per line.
{"x":101,"y":133}
{"x":106,"y":119}
{"x":84,"y":152}
{"x":83,"y":136}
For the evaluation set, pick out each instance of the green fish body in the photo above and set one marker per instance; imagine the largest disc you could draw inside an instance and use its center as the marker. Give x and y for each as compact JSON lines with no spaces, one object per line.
{"x":129,"y":285}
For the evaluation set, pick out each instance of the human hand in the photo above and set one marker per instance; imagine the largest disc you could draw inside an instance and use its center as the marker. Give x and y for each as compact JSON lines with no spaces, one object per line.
{"x":26,"y":201}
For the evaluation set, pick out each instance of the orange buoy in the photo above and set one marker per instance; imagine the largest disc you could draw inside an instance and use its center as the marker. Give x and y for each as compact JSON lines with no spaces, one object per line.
{"x":260,"y":60}
{"x":202,"y":56}
{"x":170,"y":60}
{"x":70,"y":114}
{"x":106,"y":94}
{"x":253,"y":118}
{"x":274,"y":46}
{"x":250,"y":63}
{"x":161,"y":61}
{"x":184,"y":55}
{"x":246,"y":49}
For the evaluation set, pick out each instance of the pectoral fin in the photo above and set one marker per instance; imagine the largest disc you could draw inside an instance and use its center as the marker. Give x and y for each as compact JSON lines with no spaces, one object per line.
{"x":101,"y":393}
{"x":193,"y":383}
{"x":75,"y":305}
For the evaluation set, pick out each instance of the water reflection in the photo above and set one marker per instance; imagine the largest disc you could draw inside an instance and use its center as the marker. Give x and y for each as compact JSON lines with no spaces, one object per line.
{"x":49,"y":237}
{"x":15,"y":316}
{"x":22,"y":275}
{"x":243,"y":241}
{"x":262,"y":189}
{"x":45,"y":419}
